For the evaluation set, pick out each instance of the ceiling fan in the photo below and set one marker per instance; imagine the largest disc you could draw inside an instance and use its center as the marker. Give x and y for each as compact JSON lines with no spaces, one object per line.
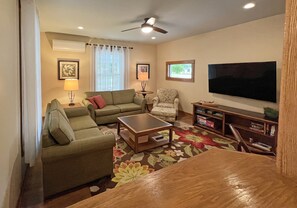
{"x":148,"y":26}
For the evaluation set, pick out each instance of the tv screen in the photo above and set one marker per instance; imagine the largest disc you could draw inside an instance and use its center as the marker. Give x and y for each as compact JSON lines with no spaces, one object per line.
{"x":251,"y":80}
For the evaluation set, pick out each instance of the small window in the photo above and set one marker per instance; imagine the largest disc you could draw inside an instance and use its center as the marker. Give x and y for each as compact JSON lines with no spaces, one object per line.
{"x":180,"y":70}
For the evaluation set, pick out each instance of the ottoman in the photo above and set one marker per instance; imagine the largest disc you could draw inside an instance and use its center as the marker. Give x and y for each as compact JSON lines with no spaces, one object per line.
{"x":166,"y":114}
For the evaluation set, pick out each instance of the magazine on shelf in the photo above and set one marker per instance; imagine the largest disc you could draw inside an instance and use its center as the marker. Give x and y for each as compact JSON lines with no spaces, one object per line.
{"x":257,"y":126}
{"x":159,"y":138}
{"x":258,"y":130}
{"x":262,"y":146}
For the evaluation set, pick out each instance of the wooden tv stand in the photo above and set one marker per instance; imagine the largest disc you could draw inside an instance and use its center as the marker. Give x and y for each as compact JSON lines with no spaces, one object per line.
{"x":253,"y":127}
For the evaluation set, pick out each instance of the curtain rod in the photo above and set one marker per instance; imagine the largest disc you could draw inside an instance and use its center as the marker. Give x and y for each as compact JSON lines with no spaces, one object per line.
{"x":95,"y":44}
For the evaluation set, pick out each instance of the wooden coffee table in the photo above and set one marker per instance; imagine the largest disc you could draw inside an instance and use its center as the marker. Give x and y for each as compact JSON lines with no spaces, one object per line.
{"x":142,"y":125}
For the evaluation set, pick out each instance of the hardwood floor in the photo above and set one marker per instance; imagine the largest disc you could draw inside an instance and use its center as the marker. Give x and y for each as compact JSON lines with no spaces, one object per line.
{"x":32,"y":193}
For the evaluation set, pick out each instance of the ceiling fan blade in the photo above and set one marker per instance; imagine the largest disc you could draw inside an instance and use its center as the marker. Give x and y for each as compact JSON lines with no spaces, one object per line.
{"x":134,"y":28}
{"x":150,"y":21}
{"x":159,"y":30}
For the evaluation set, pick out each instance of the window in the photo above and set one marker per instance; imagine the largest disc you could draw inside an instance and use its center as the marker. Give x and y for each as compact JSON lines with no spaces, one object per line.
{"x":110,"y":68}
{"x":180,"y":70}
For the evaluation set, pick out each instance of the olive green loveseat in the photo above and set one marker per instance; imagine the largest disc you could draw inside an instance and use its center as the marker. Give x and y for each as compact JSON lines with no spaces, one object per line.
{"x":118,"y":103}
{"x":74,"y":150}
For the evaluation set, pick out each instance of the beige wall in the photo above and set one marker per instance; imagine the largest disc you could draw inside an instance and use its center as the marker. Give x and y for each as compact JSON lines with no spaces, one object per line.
{"x":53,"y":88}
{"x":260,"y":40}
{"x":10,"y":159}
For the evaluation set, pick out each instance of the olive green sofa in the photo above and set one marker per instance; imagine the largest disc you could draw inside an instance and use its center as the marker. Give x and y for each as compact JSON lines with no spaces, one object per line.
{"x":118,"y":103}
{"x":74,"y":150}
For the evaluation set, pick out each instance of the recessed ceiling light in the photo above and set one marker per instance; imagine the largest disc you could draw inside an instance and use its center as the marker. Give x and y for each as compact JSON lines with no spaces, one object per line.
{"x":80,"y":27}
{"x":153,"y":38}
{"x":249,"y":5}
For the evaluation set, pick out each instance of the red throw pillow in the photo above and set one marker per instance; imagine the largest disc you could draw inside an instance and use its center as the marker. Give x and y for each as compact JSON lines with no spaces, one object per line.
{"x":99,"y":101}
{"x":92,"y":100}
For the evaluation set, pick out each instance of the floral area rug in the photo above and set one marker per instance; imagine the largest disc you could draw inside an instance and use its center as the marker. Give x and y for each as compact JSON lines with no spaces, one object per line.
{"x":128,"y":166}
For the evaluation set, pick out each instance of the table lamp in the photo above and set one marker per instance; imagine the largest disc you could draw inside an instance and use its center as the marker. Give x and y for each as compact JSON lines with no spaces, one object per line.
{"x":143,"y":77}
{"x":71,"y":85}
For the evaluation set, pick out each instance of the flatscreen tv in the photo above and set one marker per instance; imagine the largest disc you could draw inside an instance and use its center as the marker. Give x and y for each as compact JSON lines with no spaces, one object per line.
{"x":255,"y":80}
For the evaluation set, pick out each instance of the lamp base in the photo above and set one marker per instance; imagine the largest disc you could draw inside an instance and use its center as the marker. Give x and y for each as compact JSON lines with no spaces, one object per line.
{"x":71,"y":96}
{"x":143,"y":85}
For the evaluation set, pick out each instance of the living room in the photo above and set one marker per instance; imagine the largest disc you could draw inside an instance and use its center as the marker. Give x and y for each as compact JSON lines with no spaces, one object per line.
{"x":234,"y":35}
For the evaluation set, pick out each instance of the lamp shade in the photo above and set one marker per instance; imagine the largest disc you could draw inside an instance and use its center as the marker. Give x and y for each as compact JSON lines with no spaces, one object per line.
{"x":143,"y":76}
{"x":71,"y":84}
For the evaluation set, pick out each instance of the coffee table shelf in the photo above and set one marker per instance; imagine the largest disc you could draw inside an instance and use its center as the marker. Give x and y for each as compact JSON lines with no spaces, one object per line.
{"x":140,"y":125}
{"x":142,"y":146}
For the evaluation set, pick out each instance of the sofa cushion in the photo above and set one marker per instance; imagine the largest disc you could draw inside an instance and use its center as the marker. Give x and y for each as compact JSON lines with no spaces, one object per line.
{"x":82,"y":122}
{"x":100,"y":102}
{"x":92,"y":100}
{"x":59,"y":128}
{"x":107,"y":96}
{"x":123,"y":96}
{"x":47,"y":139}
{"x":165,"y":105}
{"x":129,"y":107}
{"x":56,"y":105}
{"x":107,"y":110}
{"x":76,"y":112}
{"x":168,"y":112}
{"x":87,"y":133}
{"x":166,"y":95}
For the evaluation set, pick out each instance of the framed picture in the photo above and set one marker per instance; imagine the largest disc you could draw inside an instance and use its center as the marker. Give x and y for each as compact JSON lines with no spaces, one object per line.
{"x":68,"y":69}
{"x":142,"y":68}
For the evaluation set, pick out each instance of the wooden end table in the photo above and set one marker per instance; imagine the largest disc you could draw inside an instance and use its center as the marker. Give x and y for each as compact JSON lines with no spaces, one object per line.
{"x":144,"y":93}
{"x":71,"y":106}
{"x":142,"y":125}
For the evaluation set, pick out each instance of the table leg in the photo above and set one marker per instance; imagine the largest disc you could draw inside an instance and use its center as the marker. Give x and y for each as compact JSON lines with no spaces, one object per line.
{"x":147,"y":108}
{"x":136,"y":144}
{"x":170,"y":135}
{"x":119,"y":128}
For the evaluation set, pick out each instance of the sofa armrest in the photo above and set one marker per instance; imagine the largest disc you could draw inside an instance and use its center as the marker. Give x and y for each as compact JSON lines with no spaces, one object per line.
{"x":75,"y":112}
{"x":155,"y":101}
{"x":140,"y":101}
{"x":90,"y":107}
{"x":77,"y":148}
{"x":175,"y":104}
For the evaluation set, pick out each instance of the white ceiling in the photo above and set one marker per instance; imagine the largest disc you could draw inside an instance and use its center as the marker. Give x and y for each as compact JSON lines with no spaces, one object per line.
{"x":181,"y":18}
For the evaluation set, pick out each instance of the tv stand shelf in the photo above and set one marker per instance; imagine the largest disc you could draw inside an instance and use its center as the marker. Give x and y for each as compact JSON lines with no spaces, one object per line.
{"x":254,"y":127}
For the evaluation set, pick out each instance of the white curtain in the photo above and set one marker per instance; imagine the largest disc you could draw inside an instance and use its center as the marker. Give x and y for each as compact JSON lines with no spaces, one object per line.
{"x":93,"y":68}
{"x":31,"y":80}
{"x":110,"y":70}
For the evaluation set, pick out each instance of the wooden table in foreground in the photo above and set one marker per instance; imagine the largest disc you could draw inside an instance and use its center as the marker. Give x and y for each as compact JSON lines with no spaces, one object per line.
{"x":141,"y":125}
{"x":216,"y":178}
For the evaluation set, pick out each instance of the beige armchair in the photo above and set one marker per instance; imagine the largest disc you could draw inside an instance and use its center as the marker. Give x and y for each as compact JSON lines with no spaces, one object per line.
{"x":165,"y":105}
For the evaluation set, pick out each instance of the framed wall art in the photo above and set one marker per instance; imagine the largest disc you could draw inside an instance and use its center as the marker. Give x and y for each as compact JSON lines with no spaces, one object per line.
{"x":141,"y":68}
{"x":68,"y":69}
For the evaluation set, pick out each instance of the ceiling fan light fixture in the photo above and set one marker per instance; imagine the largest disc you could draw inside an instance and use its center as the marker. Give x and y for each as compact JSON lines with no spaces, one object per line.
{"x":147,"y":29}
